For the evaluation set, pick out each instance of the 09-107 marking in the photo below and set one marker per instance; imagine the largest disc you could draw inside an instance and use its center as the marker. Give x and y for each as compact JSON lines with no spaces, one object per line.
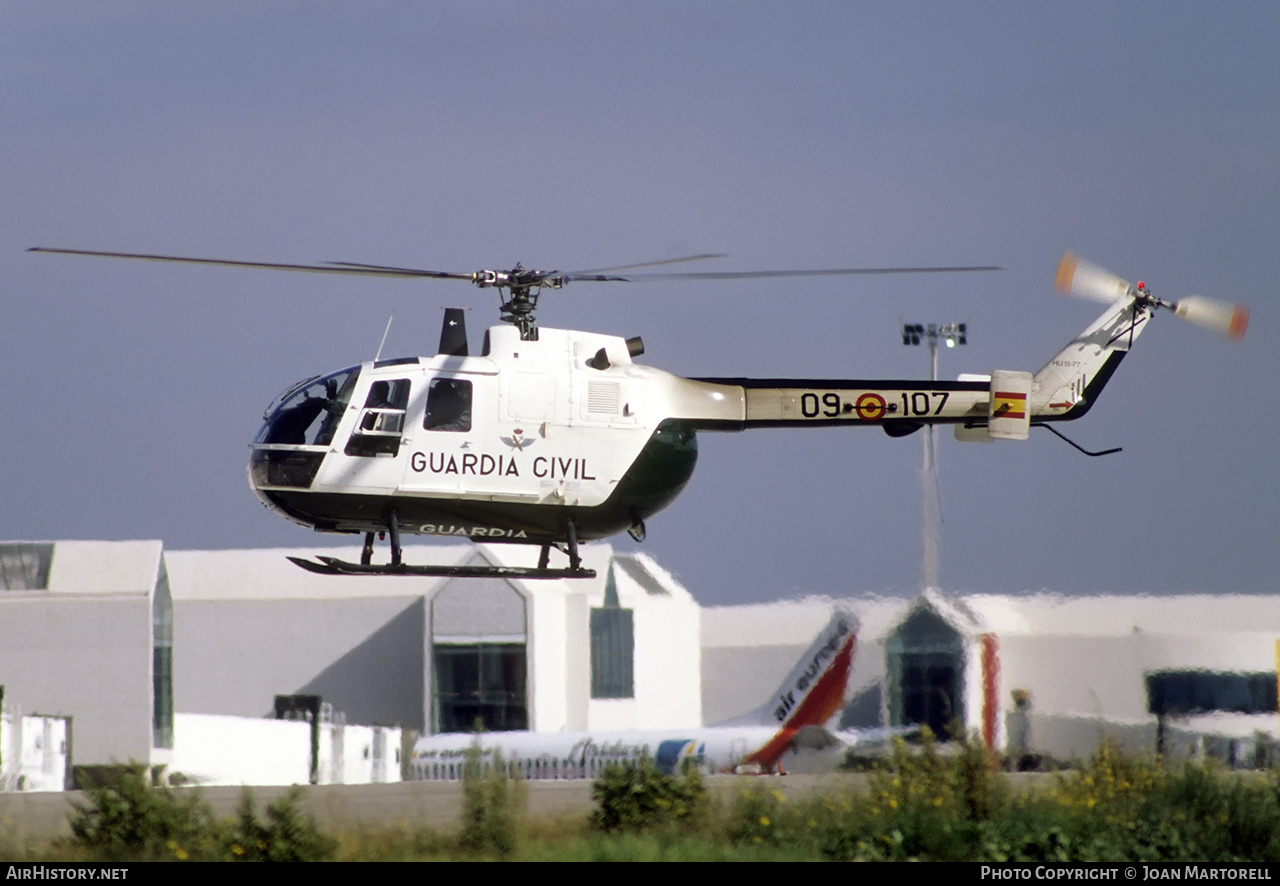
{"x":870,"y":406}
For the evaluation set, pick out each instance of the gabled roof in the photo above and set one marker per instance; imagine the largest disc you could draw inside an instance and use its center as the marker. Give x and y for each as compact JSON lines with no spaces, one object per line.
{"x":647,"y":576}
{"x":955,"y":611}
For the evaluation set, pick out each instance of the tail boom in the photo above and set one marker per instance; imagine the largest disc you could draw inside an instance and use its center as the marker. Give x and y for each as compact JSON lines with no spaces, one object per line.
{"x":1002,"y":405}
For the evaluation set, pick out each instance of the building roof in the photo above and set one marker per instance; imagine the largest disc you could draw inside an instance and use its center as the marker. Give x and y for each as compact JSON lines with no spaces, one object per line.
{"x":795,"y":622}
{"x":647,"y":576}
{"x":1118,"y":614}
{"x":266,"y":574}
{"x":98,"y":568}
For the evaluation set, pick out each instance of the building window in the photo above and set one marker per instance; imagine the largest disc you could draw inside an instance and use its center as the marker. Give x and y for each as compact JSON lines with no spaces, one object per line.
{"x":484,"y":682}
{"x":612,"y":653}
{"x":162,"y":662}
{"x":25,"y":567}
{"x":1203,"y":692}
{"x":613,"y":646}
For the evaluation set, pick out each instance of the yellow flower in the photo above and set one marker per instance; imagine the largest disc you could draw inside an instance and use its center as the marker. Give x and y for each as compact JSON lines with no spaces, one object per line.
{"x":764,"y":821}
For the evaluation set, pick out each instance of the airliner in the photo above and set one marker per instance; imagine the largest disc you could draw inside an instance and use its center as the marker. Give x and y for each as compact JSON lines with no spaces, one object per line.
{"x":793,"y":719}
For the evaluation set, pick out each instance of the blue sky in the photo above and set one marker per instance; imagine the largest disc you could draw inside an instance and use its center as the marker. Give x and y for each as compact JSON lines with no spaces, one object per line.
{"x":465,"y":135}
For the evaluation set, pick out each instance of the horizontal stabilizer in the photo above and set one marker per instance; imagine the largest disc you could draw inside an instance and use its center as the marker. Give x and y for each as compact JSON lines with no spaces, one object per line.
{"x":1008,"y":415}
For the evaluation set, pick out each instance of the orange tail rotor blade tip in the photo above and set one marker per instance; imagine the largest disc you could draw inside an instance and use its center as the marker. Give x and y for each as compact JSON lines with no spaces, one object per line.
{"x":1066,"y":272}
{"x":1239,"y":322}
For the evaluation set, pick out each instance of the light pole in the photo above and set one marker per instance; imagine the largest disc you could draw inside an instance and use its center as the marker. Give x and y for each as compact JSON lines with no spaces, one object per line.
{"x":951,"y":335}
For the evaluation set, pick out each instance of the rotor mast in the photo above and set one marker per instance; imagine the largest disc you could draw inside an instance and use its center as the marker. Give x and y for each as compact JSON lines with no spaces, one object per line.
{"x":518,"y":292}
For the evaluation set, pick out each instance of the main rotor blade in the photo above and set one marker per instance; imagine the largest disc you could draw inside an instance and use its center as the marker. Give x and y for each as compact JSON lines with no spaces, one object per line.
{"x":581,"y":275}
{"x":327,"y":268}
{"x":391,"y":271}
{"x":601,"y":275}
{"x":748,"y":275}
{"x":1086,"y":280}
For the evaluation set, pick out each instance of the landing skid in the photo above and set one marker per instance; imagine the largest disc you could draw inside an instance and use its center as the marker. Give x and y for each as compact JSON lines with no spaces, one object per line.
{"x":366,"y":566}
{"x":334,"y":566}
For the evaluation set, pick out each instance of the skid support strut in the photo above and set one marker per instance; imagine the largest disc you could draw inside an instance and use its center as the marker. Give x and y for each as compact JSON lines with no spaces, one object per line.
{"x":333,"y":566}
{"x":571,"y":532}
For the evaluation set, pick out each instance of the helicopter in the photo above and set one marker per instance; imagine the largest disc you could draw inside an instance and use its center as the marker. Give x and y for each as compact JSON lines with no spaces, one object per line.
{"x":553,"y":437}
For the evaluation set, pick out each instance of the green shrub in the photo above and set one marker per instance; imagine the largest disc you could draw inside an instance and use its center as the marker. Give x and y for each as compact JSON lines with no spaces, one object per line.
{"x":288,"y":834}
{"x":757,"y":816}
{"x":130,"y":819}
{"x":634,"y":795}
{"x":490,"y":801}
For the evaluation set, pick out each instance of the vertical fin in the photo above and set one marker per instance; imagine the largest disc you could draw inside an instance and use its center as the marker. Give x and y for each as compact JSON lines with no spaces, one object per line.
{"x":814,"y":690}
{"x":1067,"y":386}
{"x":453,"y":333}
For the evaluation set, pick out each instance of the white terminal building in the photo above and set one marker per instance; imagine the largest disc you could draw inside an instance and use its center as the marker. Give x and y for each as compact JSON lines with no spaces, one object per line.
{"x":171,"y":657}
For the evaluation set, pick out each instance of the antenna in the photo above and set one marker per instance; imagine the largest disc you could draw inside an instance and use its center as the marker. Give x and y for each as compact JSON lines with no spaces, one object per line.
{"x":378,"y":356}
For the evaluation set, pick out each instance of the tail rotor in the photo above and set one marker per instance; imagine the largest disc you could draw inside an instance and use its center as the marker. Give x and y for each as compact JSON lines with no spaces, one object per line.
{"x":1083,"y":279}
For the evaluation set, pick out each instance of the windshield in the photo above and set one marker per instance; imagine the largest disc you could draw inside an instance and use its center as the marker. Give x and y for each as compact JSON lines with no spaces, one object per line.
{"x":308,"y":415}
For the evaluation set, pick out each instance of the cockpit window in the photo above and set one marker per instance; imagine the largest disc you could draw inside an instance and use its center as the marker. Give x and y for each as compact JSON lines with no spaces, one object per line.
{"x":384,"y":407}
{"x":381,"y":420}
{"x":448,"y":405}
{"x":309,"y":415}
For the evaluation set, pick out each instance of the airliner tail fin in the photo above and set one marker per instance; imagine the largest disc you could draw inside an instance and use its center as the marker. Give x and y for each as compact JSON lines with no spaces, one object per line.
{"x":814,"y":691}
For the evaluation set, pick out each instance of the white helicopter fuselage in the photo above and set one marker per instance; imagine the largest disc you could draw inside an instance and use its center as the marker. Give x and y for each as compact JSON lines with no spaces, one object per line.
{"x":502,"y":447}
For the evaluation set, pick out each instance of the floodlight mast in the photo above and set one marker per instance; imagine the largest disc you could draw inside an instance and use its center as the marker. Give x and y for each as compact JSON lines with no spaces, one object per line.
{"x":950,"y":334}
